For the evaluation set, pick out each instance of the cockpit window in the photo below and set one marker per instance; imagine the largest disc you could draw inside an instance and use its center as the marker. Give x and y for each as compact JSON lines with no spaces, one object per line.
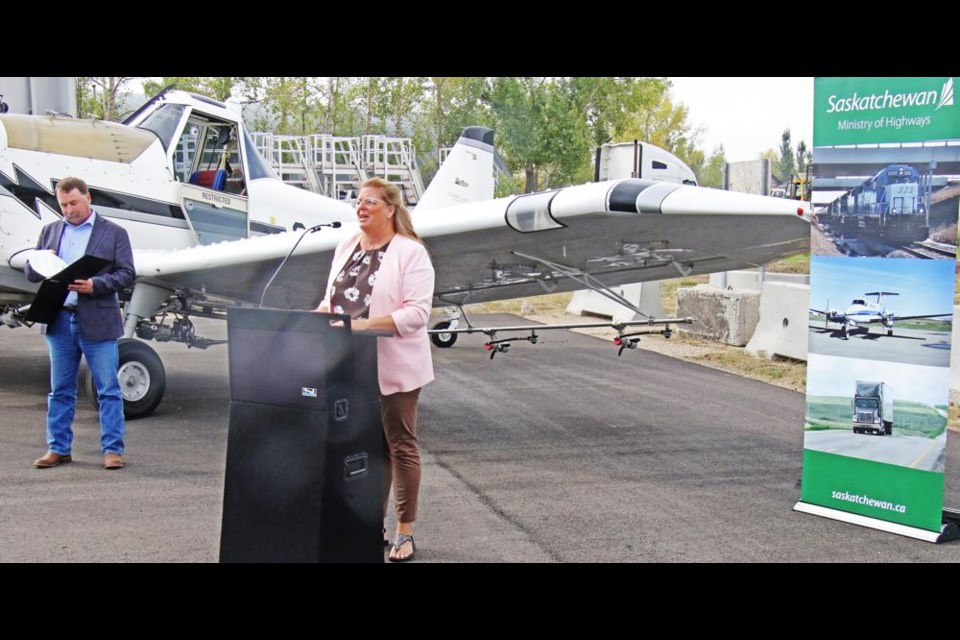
{"x":163,"y":122}
{"x":258,"y":167}
{"x":858,"y":302}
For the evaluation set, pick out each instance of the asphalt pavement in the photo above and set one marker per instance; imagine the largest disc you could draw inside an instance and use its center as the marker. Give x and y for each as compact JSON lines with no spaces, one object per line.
{"x":555,"y":452}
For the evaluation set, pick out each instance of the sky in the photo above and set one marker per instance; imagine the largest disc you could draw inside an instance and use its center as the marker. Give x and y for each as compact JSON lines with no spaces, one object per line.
{"x":833,"y":375}
{"x":747,"y":115}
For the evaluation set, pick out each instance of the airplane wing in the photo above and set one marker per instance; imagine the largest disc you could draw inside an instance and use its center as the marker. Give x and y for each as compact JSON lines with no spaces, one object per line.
{"x":239,"y":270}
{"x":929,"y":315}
{"x":616,"y":232}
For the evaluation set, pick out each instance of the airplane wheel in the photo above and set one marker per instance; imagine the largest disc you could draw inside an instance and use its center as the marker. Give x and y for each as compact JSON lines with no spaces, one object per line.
{"x":889,"y":332}
{"x":142,"y":377}
{"x":443,"y":340}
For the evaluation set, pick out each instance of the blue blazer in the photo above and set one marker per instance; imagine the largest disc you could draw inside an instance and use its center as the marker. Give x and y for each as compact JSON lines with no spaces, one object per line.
{"x":99,"y":312}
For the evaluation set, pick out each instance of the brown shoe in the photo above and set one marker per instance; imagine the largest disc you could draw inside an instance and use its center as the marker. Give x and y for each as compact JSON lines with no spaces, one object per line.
{"x":112,"y":461}
{"x":51,"y":459}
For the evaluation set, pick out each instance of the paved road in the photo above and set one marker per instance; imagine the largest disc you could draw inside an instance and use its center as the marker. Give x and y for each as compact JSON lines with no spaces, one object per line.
{"x":555,"y":452}
{"x":905,"y":451}
{"x":908,"y":346}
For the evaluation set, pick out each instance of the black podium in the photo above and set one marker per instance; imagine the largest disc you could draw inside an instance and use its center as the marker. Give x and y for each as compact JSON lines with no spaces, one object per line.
{"x":304,"y":450}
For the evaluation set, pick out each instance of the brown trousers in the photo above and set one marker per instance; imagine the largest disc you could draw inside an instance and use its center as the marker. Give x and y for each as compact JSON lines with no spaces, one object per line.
{"x":401,"y":454}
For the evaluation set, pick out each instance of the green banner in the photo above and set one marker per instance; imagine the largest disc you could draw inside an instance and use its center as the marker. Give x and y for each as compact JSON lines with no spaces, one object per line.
{"x":875,"y":110}
{"x":874,"y":489}
{"x":878,"y":357}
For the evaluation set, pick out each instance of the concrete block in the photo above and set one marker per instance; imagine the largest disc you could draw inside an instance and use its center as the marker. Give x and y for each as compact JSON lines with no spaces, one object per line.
{"x":729,"y":316}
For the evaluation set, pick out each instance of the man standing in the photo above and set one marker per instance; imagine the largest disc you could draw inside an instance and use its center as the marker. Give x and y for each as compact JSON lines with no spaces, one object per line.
{"x":89,"y":324}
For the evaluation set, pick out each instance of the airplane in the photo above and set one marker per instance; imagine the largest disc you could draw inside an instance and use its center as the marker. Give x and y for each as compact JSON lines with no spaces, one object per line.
{"x":862,"y":313}
{"x":197,"y":252}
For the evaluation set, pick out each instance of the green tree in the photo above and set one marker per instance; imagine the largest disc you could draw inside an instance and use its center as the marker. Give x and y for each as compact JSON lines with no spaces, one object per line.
{"x":539,"y":128}
{"x":668,"y":126}
{"x":339,"y":115}
{"x":216,"y":87}
{"x":785,"y":166}
{"x":293,"y":102}
{"x":454,"y":103}
{"x":711,"y":175}
{"x":610,"y":104}
{"x":103,"y":97}
{"x":803,"y":157}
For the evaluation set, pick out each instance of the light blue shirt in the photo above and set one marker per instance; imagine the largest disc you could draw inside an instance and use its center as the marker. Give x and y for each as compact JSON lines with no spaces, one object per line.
{"x":73,"y":246}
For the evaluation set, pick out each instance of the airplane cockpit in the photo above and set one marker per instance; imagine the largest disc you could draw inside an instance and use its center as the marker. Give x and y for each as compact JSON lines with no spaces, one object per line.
{"x":859,"y":301}
{"x":207,"y":151}
{"x":208,"y":155}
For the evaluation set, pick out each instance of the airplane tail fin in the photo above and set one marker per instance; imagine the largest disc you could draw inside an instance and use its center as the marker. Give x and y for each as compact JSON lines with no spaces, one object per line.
{"x":880,"y":294}
{"x":467,"y":173}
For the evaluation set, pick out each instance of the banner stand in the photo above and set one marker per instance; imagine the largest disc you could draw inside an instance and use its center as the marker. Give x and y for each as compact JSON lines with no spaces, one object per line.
{"x":948,"y":532}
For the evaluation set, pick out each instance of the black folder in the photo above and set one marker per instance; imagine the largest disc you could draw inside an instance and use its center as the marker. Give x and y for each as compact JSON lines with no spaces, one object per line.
{"x":53,"y":291}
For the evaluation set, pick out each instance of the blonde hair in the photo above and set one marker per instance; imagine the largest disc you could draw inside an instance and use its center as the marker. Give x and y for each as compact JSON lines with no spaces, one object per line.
{"x":402,"y":222}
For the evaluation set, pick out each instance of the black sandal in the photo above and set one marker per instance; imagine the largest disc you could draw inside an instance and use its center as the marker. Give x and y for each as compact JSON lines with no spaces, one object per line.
{"x":399,"y":541}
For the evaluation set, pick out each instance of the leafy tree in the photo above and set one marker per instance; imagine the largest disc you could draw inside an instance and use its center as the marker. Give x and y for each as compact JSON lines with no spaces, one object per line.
{"x":152,"y":87}
{"x":293,"y":101}
{"x":102,"y":97}
{"x":539,"y":128}
{"x":216,"y":87}
{"x":454,"y":103}
{"x":771,"y":155}
{"x":785,"y":166}
{"x":339,"y":115}
{"x":711,"y":175}
{"x":668,"y":126}
{"x":610,"y":104}
{"x":804,"y":157}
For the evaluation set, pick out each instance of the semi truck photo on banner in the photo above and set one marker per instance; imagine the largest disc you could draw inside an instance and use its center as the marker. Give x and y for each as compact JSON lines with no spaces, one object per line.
{"x":885,"y":197}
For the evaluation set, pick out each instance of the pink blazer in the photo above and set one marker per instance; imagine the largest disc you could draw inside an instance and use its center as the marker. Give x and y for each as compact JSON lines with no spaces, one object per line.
{"x":404,"y":290}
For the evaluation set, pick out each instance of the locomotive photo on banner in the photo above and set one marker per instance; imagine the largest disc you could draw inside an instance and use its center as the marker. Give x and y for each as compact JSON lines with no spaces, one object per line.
{"x":882,"y":281}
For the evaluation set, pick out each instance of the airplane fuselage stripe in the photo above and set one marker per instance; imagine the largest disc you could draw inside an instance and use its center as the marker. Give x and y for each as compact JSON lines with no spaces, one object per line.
{"x":28,"y":191}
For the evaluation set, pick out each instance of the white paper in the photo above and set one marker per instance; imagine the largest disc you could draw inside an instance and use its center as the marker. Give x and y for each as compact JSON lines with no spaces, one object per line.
{"x":45,"y":262}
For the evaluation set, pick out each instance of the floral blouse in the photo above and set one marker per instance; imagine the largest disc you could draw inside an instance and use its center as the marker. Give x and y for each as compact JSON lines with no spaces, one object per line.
{"x":350,"y":293}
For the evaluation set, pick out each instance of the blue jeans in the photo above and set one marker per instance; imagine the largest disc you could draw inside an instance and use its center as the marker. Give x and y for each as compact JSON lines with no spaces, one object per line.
{"x":66,"y":344}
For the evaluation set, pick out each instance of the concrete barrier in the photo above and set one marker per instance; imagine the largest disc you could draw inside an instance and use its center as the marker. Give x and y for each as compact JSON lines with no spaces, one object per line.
{"x":725,"y":315}
{"x":645,"y":295}
{"x":751,"y":279}
{"x":784,"y":321}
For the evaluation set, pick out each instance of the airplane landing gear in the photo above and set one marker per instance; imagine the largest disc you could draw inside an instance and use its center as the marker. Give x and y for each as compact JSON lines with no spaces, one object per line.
{"x":443,"y":340}
{"x":142,"y":377}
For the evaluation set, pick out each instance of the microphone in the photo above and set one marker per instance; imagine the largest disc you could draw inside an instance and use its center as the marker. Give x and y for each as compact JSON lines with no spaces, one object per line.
{"x":333,"y":225}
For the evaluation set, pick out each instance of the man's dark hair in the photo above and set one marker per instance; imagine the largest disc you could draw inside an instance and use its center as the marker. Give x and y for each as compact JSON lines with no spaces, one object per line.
{"x":69,"y":184}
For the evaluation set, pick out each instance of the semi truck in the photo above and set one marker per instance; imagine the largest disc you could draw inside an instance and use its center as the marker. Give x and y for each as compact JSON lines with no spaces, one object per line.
{"x":873,"y":408}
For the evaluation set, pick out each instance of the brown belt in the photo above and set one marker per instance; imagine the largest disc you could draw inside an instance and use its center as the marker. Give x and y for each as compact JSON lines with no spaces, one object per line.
{"x":70,"y":309}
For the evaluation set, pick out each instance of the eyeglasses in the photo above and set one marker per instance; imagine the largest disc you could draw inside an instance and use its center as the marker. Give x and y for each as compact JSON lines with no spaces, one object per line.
{"x":369,"y":202}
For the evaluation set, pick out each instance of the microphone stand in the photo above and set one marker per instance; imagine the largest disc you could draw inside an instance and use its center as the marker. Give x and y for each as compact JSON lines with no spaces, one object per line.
{"x":332,"y":225}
